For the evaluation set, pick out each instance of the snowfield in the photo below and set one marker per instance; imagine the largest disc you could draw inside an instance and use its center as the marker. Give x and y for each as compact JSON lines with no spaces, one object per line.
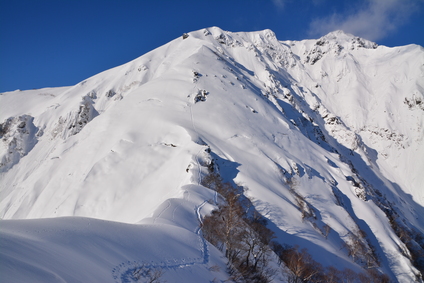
{"x":104,"y":177}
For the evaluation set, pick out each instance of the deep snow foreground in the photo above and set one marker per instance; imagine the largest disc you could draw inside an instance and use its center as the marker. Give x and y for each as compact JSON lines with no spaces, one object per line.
{"x":74,"y":249}
{"x":338,"y":121}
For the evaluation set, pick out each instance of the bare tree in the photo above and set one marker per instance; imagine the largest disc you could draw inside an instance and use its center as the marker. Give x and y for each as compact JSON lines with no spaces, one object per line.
{"x":224,"y":228}
{"x":302,"y":266}
{"x":257,"y":241}
{"x":332,"y":275}
{"x":349,"y":276}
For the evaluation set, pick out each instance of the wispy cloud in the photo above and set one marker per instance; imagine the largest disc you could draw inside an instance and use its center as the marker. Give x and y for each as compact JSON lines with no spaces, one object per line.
{"x":373,"y":21}
{"x":279,"y":3}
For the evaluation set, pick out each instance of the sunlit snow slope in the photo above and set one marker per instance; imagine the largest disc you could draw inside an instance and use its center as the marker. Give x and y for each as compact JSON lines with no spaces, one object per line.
{"x":337,"y":121}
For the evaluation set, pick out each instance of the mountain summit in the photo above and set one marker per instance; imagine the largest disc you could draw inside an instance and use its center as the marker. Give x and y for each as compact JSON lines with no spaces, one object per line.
{"x":325,"y":137}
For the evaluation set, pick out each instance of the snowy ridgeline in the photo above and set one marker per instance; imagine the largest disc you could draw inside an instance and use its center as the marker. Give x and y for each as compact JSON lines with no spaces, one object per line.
{"x":325,"y":136}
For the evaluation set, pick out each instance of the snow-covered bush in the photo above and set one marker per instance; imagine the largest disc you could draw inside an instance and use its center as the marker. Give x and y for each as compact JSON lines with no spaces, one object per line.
{"x":201,"y":95}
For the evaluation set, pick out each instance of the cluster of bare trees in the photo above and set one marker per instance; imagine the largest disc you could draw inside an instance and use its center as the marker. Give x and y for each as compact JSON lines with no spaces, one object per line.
{"x":300,"y":263}
{"x":361,"y":250}
{"x":240,"y":232}
{"x":413,"y":241}
{"x":244,"y":240}
{"x":305,"y":209}
{"x":303,"y":268}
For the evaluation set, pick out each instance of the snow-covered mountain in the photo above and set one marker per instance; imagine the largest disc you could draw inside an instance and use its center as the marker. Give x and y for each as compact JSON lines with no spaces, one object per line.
{"x":325,"y":135}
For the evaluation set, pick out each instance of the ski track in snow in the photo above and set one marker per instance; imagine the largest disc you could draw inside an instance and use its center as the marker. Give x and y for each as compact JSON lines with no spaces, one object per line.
{"x":204,"y":248}
{"x":199,"y":171}
{"x":199,"y":181}
{"x":166,"y":208}
{"x":173,"y":212}
{"x":124,"y":273}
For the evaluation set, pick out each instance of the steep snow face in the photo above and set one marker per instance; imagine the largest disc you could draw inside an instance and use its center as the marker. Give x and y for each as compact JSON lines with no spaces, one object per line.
{"x":376,"y":92}
{"x":326,"y":134}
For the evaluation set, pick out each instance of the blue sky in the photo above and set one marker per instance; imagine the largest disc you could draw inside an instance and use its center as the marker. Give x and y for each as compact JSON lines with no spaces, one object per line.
{"x":47,"y":43}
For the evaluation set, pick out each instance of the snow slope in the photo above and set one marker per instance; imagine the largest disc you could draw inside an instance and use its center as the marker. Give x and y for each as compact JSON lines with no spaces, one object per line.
{"x":74,"y":249}
{"x":337,"y":121}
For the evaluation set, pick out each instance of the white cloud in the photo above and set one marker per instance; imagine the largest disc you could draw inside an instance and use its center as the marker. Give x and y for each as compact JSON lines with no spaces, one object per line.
{"x":373,"y":21}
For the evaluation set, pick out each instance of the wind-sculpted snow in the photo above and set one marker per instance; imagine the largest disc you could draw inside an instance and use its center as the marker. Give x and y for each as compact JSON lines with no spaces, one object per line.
{"x":325,"y":135}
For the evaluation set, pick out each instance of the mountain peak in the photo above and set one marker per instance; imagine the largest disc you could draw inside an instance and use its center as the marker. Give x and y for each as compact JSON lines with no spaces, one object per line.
{"x":346,"y":40}
{"x":326,"y":134}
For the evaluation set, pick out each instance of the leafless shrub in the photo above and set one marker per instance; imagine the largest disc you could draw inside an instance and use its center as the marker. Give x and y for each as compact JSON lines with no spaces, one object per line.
{"x":327,"y":230}
{"x":215,"y":268}
{"x":147,"y":274}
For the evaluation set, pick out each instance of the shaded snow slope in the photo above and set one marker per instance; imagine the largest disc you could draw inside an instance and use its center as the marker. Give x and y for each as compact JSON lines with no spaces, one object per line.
{"x":337,"y":122}
{"x":74,"y":249}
